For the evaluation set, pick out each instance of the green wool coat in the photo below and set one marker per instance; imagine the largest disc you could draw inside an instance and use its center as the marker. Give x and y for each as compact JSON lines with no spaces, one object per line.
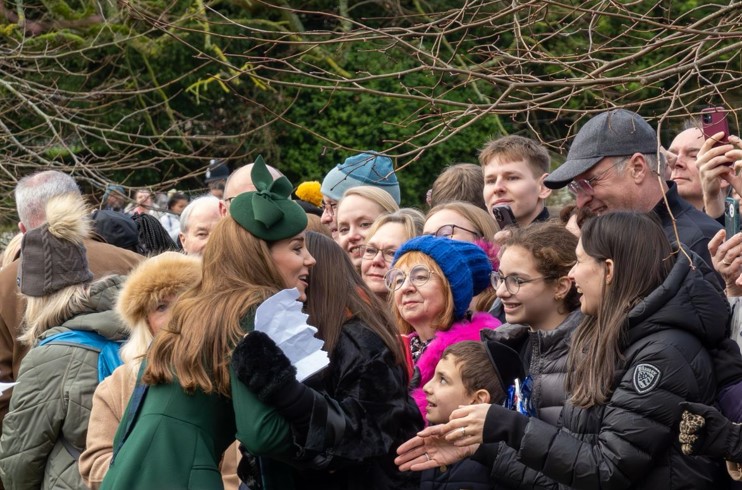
{"x":178,"y":439}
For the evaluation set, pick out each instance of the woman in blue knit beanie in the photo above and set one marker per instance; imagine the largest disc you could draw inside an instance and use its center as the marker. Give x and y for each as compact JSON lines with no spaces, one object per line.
{"x":433,"y":280}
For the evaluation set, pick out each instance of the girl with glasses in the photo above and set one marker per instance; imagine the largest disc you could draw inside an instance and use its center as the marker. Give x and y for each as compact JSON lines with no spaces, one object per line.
{"x":432,"y":281}
{"x":542,"y":309}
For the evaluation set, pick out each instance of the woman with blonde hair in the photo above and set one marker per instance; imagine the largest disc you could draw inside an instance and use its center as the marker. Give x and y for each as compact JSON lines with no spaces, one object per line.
{"x":356,"y":212}
{"x":460,"y":221}
{"x":190,"y":405}
{"x":385,"y":236}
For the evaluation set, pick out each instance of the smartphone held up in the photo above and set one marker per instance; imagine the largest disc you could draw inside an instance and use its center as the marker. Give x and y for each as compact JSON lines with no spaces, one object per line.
{"x":713,"y":121}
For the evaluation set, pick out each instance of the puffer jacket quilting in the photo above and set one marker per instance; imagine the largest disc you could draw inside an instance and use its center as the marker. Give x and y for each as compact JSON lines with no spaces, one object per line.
{"x":631,"y":441}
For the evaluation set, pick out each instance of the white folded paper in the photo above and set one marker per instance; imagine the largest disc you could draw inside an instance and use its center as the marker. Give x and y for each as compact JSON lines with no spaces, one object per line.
{"x":6,"y":386}
{"x":280,"y":317}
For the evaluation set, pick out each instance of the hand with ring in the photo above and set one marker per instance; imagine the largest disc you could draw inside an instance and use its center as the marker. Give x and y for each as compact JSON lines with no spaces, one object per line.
{"x":726,"y":257}
{"x":466,"y":424}
{"x":429,"y":449}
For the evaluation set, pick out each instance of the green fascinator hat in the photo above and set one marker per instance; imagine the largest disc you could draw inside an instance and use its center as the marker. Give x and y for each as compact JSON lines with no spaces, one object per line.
{"x":268,"y":213}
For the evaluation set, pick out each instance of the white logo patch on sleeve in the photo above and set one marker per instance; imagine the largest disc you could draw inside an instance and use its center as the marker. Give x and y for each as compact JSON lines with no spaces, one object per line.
{"x":646,"y":378}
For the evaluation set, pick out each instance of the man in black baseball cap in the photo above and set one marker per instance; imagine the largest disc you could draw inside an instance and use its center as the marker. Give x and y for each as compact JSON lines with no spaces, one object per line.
{"x":614,"y":164}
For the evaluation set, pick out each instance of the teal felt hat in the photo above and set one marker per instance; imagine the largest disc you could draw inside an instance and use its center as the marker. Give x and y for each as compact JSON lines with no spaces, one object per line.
{"x":268,"y":213}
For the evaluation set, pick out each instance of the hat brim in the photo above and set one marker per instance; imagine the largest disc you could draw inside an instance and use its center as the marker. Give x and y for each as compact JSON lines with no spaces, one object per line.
{"x":569,"y":170}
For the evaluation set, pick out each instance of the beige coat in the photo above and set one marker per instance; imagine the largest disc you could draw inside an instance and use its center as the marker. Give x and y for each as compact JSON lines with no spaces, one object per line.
{"x":109,"y":404}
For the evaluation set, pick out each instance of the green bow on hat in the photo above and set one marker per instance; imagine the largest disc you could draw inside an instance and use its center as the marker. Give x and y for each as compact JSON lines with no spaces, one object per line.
{"x":268,"y":213}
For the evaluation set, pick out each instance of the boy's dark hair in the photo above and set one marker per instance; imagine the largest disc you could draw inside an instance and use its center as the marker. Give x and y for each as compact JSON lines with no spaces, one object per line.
{"x":512,"y":148}
{"x":477,"y":371}
{"x":460,"y":182}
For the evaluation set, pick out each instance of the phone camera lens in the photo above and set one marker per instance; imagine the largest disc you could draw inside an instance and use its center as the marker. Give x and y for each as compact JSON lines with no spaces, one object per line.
{"x":707,"y":119}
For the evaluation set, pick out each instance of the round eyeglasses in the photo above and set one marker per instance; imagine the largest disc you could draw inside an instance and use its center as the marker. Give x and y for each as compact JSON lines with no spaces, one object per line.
{"x":370,"y":253}
{"x":447,"y":231}
{"x":512,"y":282}
{"x":395,"y":278}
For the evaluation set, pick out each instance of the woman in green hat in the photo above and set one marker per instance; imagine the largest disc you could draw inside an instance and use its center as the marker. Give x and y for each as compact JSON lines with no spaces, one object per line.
{"x":175,"y":432}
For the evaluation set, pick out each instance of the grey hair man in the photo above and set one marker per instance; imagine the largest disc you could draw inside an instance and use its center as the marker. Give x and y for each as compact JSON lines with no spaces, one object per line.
{"x":32,"y":194}
{"x":196,"y":223}
{"x":614,"y":164}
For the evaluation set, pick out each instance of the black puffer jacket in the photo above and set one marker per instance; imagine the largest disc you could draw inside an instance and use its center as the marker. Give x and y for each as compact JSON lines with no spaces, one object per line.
{"x":631,"y":442}
{"x":545,"y":354}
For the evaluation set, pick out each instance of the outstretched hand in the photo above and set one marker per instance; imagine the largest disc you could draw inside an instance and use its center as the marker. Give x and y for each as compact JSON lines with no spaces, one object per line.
{"x":429,"y":449}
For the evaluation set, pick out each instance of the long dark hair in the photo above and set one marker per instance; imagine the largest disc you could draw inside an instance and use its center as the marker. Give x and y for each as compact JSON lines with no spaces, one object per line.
{"x":642,"y":258}
{"x":336,"y":293}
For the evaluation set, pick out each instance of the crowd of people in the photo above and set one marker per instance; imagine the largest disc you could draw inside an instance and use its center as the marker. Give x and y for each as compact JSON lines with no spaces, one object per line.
{"x":486,"y":342}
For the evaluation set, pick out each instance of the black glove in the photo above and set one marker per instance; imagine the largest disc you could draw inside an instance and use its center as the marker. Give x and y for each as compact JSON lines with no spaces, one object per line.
{"x":261,"y":365}
{"x":506,"y":425}
{"x":704,"y":431}
{"x":266,"y":371}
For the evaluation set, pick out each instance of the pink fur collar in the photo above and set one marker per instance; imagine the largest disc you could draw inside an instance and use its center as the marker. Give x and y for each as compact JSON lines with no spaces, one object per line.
{"x":428,"y":360}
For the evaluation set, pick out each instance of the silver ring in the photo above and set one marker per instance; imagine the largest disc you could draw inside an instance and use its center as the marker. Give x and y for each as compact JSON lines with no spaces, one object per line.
{"x":427,"y":456}
{"x":463,"y":432}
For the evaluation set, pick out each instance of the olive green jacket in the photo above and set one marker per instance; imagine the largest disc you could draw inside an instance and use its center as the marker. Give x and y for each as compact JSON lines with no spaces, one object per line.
{"x":47,"y":423}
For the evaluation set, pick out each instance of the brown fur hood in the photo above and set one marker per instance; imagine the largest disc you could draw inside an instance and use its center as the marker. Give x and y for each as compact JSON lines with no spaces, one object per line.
{"x":153,"y":279}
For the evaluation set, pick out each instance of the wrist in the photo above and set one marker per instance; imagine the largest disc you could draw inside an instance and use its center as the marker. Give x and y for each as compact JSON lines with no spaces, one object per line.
{"x":713,"y":205}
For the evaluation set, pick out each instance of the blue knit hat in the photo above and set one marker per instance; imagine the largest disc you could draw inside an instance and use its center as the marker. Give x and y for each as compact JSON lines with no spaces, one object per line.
{"x":358,"y":170}
{"x":464,"y":264}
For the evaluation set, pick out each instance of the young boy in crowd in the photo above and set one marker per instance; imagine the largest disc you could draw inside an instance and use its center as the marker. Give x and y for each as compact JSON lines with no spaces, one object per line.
{"x":514,"y":171}
{"x":468,"y":373}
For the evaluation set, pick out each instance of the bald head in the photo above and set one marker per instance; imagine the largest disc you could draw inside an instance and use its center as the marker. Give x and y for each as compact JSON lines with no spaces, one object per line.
{"x":241,"y":181}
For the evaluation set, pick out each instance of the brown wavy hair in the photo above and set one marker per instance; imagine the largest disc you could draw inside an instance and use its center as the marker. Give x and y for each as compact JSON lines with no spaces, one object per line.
{"x":553,"y":249}
{"x":196,"y":346}
{"x":642,"y":259}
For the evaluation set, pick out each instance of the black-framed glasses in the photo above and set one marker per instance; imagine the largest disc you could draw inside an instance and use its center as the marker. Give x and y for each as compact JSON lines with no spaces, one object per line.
{"x":512,"y":282}
{"x":585,"y":186}
{"x":370,"y":253}
{"x":395,"y":278}
{"x":447,"y":231}
{"x":329,"y":207}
